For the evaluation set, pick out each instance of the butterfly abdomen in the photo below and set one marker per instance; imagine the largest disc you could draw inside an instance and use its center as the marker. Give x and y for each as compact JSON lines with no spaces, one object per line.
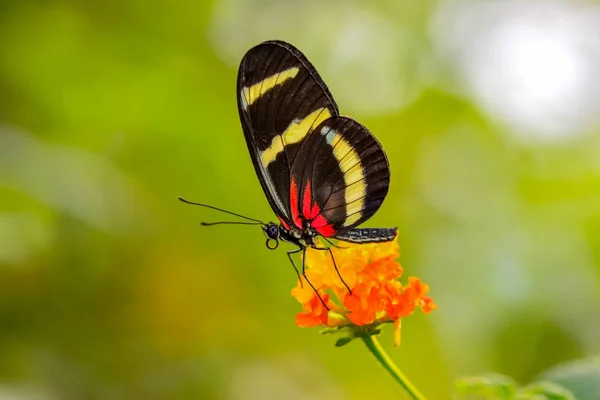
{"x":368,"y":235}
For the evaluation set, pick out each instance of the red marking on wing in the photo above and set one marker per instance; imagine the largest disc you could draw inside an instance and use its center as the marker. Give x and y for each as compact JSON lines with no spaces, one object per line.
{"x":313,"y":214}
{"x":285,"y":225}
{"x":326,"y":230}
{"x":319,"y":221}
{"x":309,"y":212}
{"x":294,"y":204}
{"x":321,"y":225}
{"x":306,"y":201}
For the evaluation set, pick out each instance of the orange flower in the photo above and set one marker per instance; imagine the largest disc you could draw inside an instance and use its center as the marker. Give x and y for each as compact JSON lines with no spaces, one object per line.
{"x":371,"y":271}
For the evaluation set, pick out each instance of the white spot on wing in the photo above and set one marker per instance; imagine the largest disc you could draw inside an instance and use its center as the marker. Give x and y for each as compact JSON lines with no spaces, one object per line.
{"x":244,"y":101}
{"x":330,"y":137}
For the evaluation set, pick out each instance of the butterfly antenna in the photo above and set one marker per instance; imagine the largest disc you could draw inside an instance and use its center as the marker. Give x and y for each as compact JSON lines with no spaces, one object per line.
{"x":254,"y":221}
{"x":230,"y":223}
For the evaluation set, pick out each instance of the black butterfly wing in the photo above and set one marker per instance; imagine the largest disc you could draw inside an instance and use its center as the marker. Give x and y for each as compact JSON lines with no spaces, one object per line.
{"x":281,"y":99}
{"x":340,"y":177}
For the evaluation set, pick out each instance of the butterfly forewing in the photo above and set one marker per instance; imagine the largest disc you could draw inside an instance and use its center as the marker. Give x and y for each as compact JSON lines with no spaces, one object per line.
{"x":281,"y":99}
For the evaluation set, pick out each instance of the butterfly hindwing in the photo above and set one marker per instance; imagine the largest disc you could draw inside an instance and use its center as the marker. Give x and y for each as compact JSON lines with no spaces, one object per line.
{"x":281,"y":99}
{"x":341,"y":177}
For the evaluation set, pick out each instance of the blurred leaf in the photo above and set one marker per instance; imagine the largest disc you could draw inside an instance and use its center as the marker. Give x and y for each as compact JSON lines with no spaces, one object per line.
{"x":545,"y":391}
{"x":581,"y":377}
{"x":343,"y":341}
{"x":490,"y":386}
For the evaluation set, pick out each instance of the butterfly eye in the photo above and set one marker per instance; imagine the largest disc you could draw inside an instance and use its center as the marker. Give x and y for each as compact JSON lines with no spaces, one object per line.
{"x":272,"y":231}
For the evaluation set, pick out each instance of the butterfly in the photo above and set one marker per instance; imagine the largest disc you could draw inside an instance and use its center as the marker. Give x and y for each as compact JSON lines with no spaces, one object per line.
{"x":322,"y":173}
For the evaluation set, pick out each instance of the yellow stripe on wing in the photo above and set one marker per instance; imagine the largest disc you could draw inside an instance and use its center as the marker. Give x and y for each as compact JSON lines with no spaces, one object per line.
{"x":354,"y":177}
{"x":254,"y":92}
{"x":294,"y":133}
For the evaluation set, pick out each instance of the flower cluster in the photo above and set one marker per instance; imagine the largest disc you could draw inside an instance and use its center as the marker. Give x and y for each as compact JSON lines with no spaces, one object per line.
{"x":371,"y":272}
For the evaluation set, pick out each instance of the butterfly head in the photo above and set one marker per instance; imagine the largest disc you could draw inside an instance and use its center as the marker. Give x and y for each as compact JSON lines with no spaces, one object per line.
{"x":272,"y":231}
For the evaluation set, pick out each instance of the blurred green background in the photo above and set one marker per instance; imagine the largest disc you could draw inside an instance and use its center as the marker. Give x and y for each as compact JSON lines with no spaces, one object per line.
{"x":109,"y":110}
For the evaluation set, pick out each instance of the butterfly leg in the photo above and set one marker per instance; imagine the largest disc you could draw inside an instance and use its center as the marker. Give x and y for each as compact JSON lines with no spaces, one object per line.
{"x":335,"y":266}
{"x":289,"y":254}
{"x":304,"y":273}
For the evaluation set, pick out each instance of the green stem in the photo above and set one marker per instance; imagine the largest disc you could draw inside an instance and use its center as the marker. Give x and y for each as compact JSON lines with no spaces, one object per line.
{"x":373,"y":345}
